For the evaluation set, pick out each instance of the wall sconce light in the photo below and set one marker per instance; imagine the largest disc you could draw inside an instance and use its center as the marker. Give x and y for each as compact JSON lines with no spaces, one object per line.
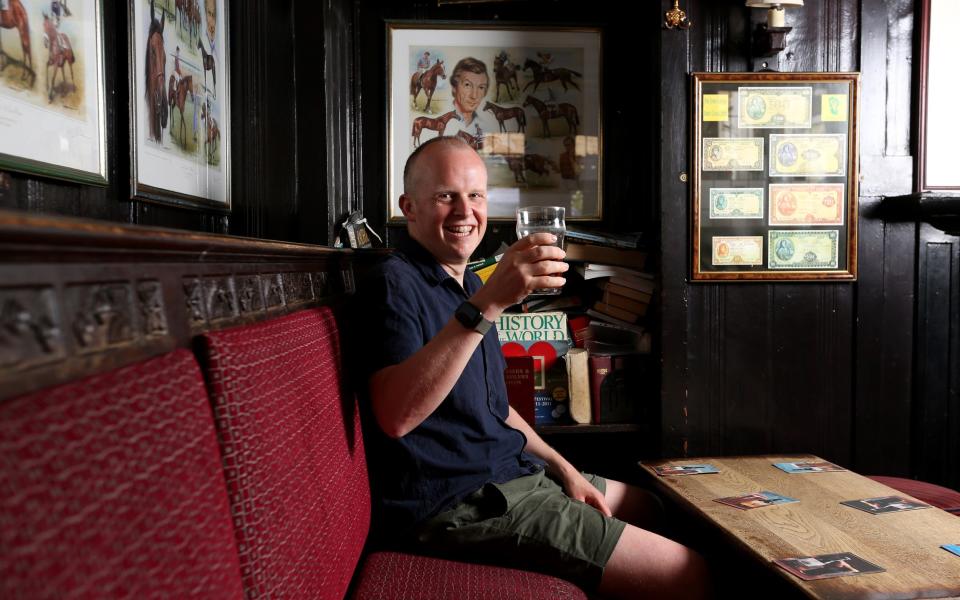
{"x":771,"y":38}
{"x":676,"y":18}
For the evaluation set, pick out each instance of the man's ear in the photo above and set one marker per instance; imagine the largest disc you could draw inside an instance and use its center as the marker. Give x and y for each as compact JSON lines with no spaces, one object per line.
{"x":407,"y":207}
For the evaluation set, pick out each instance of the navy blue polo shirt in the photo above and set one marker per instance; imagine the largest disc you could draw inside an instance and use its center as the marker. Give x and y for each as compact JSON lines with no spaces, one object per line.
{"x":465,"y":443}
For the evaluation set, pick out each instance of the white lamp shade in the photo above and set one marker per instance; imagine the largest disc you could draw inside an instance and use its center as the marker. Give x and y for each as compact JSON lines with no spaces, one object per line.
{"x":767,"y":4}
{"x":775,"y":14}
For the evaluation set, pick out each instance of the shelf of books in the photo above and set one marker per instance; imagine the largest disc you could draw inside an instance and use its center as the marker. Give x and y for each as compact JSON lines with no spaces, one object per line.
{"x":580,"y":362}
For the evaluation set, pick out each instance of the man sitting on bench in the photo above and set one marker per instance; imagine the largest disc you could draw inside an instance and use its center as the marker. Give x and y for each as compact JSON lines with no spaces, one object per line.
{"x":455,"y":470}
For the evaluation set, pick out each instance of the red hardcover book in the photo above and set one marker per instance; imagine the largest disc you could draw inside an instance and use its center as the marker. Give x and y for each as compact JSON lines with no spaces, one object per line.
{"x":578,"y":326}
{"x":600,"y":366}
{"x":519,"y":379}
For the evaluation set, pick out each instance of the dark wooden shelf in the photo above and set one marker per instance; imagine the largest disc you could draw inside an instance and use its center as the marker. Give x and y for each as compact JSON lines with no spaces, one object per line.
{"x":571,"y":429}
{"x":940,"y":209}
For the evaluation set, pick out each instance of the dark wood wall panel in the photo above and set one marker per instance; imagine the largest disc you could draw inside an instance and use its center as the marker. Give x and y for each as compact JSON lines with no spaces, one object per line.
{"x":751,"y":367}
{"x":937,"y":414}
{"x":884,"y":348}
{"x":885,"y":290}
{"x":683,"y":415}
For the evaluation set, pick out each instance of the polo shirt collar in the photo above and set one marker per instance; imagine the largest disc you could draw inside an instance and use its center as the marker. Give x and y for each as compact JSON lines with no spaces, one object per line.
{"x":429,"y":267}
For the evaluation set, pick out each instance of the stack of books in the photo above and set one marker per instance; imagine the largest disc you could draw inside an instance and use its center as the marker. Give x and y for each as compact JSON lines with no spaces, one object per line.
{"x":595,"y":366}
{"x":624,"y":289}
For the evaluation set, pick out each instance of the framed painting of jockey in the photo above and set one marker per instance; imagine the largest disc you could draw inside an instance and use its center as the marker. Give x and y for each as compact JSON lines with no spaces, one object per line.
{"x":526,"y":98}
{"x":180,"y":102}
{"x":52,"y":119}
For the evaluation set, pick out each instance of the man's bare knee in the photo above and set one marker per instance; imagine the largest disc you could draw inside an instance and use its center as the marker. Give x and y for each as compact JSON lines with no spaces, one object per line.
{"x":647,"y":565}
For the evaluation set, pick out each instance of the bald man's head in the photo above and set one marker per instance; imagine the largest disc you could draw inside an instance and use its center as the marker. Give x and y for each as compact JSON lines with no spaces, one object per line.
{"x":410,"y":168}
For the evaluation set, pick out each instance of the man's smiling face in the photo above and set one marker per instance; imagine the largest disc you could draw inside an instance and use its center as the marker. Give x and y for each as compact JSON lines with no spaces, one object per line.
{"x":446,"y":204}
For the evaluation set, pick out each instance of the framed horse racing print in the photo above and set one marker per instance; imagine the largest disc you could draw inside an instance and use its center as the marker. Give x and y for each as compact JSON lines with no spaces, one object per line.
{"x":51,"y":89}
{"x":180,"y":102}
{"x":527,"y":99}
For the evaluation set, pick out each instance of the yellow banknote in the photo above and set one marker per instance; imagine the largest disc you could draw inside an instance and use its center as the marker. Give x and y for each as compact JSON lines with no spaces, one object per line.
{"x":737,"y":250}
{"x":803,"y":249}
{"x":806,"y":204}
{"x":732,"y":154}
{"x":736,"y":203}
{"x":775,"y":107}
{"x":824,"y":155}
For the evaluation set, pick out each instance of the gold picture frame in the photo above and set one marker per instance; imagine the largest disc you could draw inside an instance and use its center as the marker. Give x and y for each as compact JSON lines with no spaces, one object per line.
{"x":538,"y":126}
{"x":775,"y":176}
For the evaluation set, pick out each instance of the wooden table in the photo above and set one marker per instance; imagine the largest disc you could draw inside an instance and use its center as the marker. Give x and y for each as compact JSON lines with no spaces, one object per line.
{"x":906,"y":544}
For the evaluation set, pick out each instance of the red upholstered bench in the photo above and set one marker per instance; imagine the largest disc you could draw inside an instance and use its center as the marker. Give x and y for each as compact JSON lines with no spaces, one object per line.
{"x":297,"y":478}
{"x":111,"y":487}
{"x":932,"y":494}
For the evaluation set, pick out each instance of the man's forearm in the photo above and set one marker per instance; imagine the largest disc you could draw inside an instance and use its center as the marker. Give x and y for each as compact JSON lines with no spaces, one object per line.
{"x":405,"y":394}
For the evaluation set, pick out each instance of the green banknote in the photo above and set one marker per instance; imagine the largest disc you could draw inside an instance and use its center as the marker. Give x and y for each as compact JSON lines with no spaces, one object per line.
{"x":803,"y":249}
{"x":736,"y":203}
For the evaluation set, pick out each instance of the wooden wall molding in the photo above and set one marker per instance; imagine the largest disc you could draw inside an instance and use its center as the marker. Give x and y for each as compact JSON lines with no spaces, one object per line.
{"x":83,"y":296}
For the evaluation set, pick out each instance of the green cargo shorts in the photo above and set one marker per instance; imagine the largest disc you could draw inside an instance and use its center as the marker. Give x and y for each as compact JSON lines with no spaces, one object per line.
{"x":528,"y":523}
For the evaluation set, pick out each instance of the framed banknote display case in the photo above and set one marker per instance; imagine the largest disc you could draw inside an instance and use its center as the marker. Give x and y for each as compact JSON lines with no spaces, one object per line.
{"x":775,"y":172}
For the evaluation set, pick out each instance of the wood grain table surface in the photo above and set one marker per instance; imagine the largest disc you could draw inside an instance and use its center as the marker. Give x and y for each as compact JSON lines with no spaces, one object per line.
{"x":906,"y":544}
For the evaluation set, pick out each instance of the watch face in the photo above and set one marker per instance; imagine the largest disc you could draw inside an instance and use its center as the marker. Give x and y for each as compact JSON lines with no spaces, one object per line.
{"x":468,"y":314}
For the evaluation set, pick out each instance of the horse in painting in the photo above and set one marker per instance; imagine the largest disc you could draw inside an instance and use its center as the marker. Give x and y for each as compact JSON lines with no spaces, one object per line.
{"x":505,"y":113}
{"x":155,"y":70}
{"x":60,"y":55}
{"x":427,"y":82}
{"x":439,"y":125}
{"x":505,"y":74}
{"x":178,"y":98}
{"x":209,"y":64}
{"x":15,"y":17}
{"x":542,"y":74}
{"x":213,"y":132}
{"x":554,"y":111}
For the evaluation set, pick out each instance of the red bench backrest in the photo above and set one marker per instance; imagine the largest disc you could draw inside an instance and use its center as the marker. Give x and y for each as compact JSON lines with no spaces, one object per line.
{"x":112,"y":487}
{"x":293,"y":454}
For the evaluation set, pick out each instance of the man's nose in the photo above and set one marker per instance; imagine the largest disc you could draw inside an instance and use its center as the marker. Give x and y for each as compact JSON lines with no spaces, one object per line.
{"x":461,"y":204}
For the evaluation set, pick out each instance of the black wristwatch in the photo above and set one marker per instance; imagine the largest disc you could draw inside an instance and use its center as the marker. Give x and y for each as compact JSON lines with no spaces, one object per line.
{"x":471,"y":318}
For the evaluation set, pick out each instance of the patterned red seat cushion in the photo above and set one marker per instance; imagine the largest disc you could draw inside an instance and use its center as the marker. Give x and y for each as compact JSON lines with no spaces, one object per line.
{"x":293,"y":455}
{"x":932,"y":494}
{"x":393,"y":575}
{"x":112,"y":487}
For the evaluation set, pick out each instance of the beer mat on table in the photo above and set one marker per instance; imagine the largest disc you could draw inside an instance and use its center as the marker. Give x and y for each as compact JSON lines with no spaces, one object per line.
{"x":808,"y":467}
{"x":755,"y":500}
{"x":824,"y":566}
{"x":685,"y":470}
{"x":885,"y":504}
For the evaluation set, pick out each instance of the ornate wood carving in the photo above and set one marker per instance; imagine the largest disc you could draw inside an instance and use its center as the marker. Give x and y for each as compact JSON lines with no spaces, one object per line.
{"x":30,"y":332}
{"x":101,"y":314}
{"x":220,"y":298}
{"x":250,"y":294}
{"x":273,"y":291}
{"x":193,"y":295}
{"x":150,"y":307}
